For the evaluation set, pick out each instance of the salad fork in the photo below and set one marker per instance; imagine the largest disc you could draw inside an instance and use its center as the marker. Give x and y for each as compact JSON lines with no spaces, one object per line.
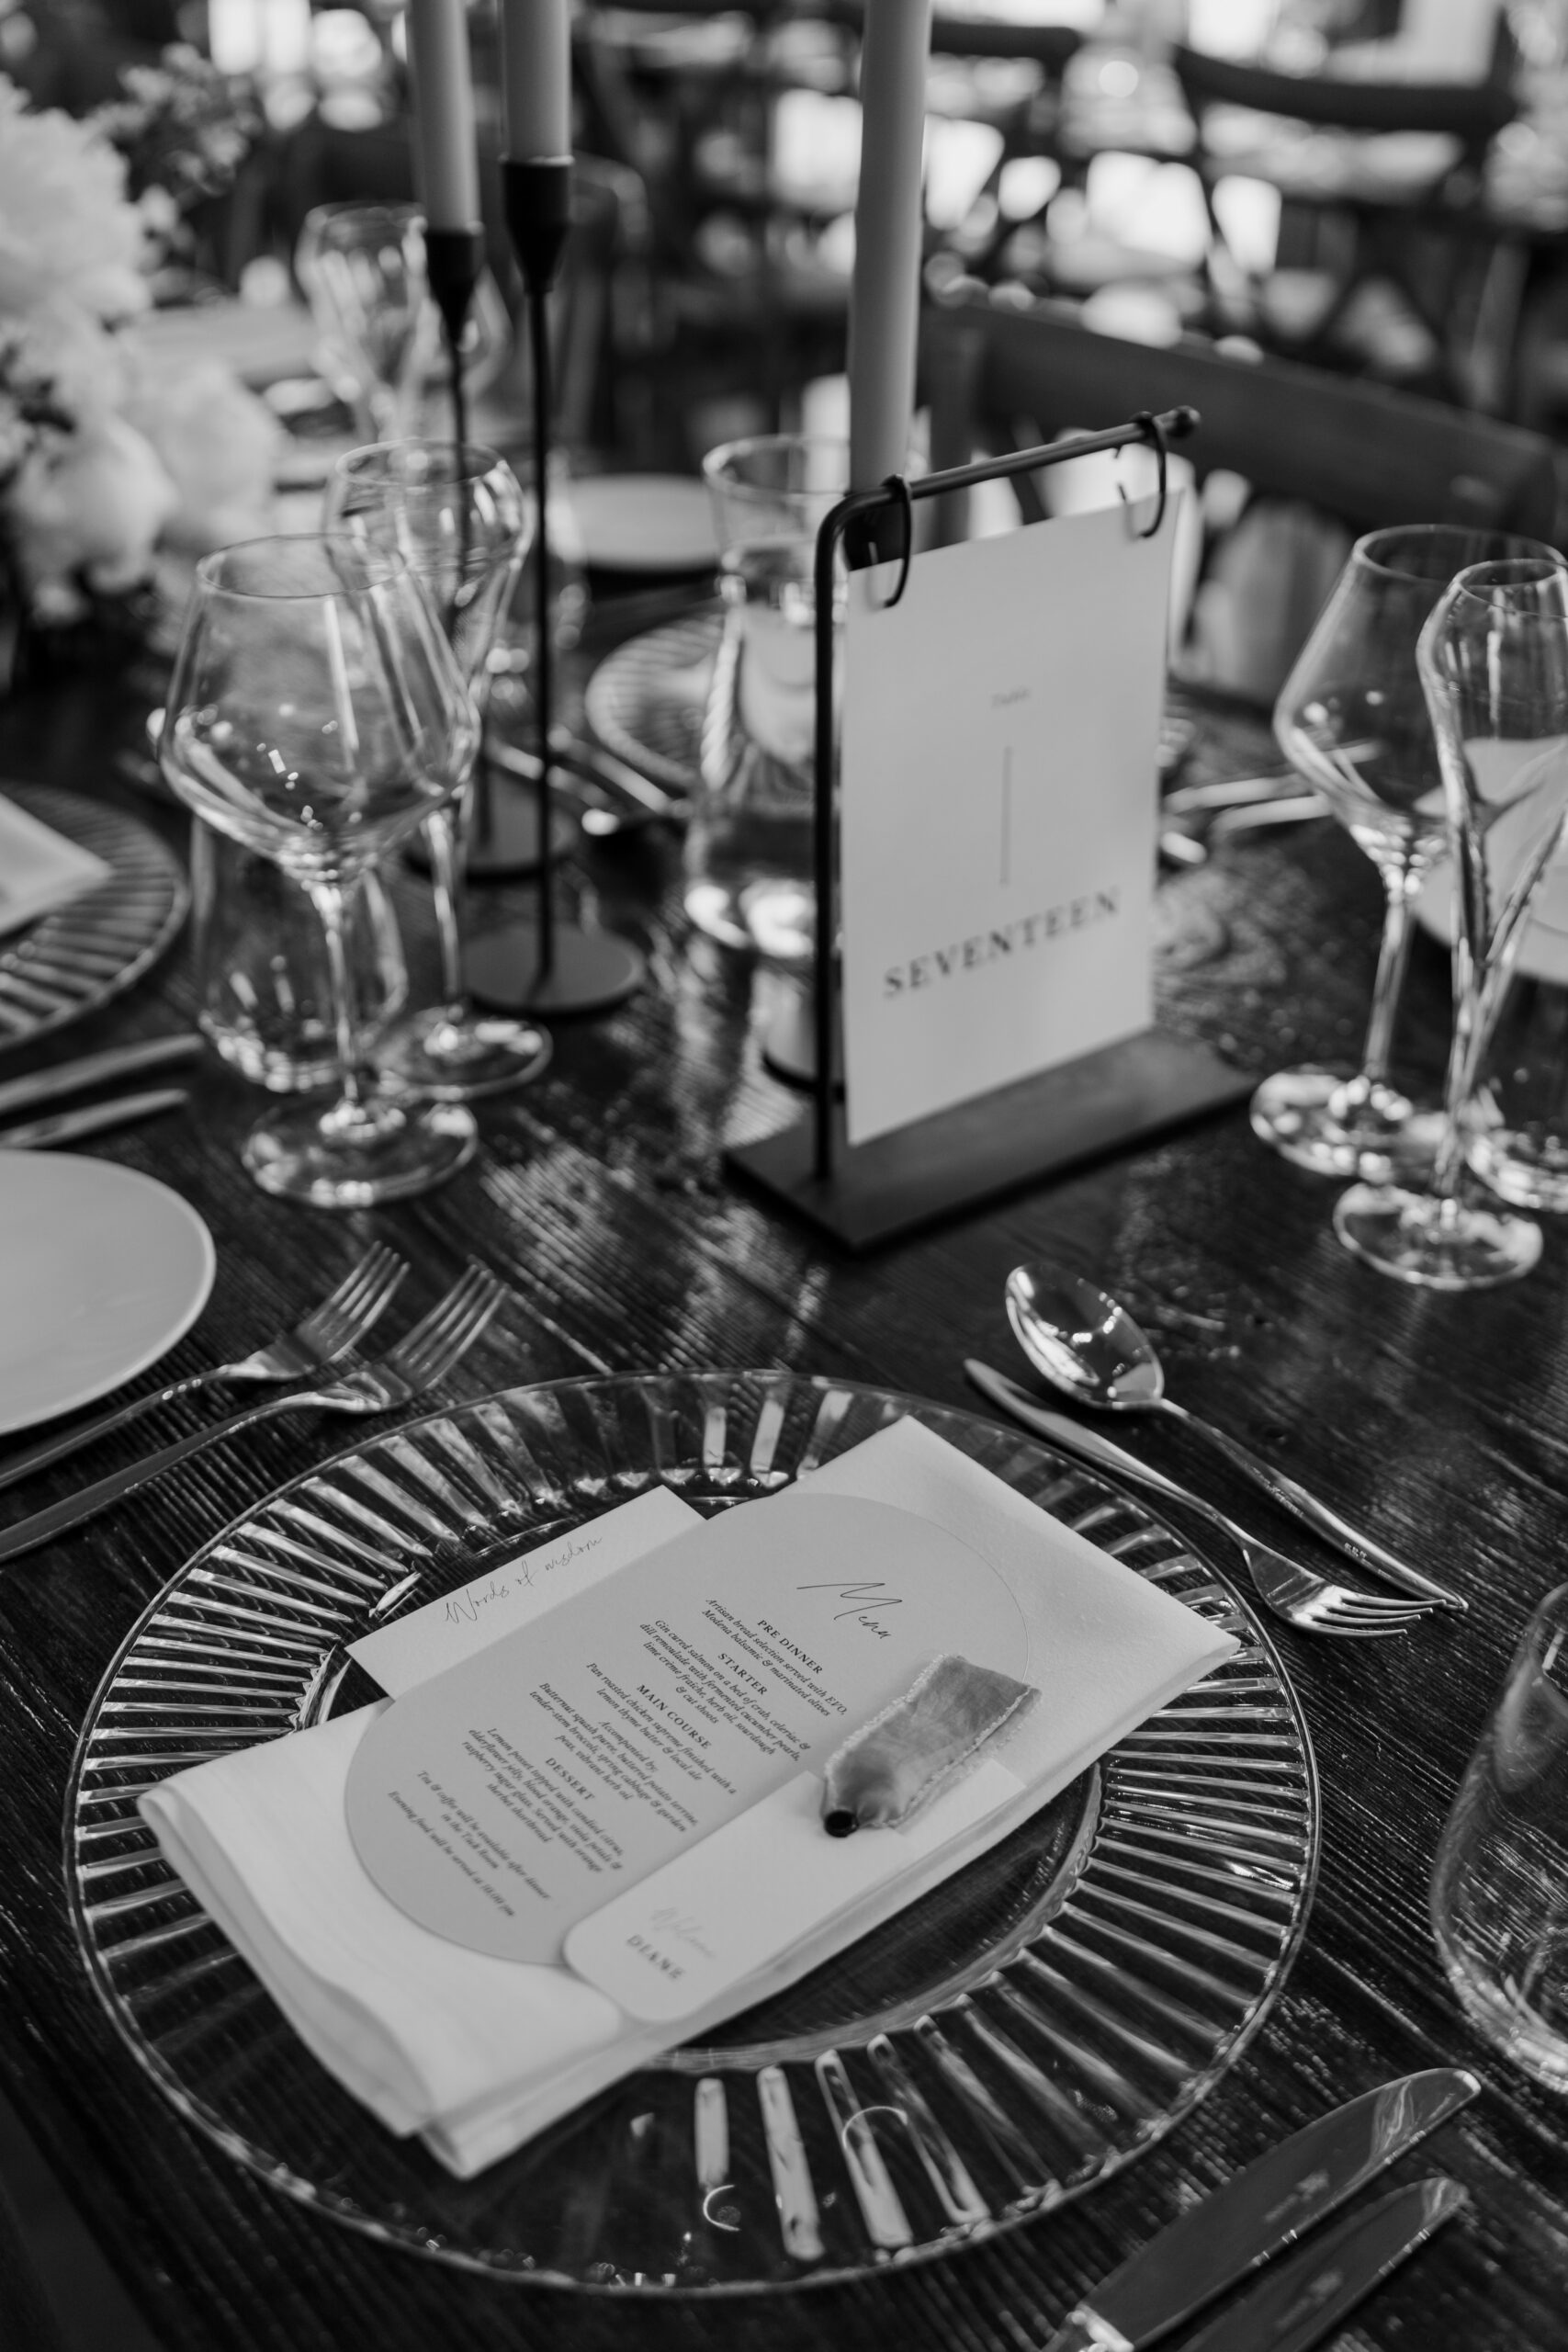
{"x":318,"y":1340}
{"x":1311,"y":1602}
{"x":421,"y":1357}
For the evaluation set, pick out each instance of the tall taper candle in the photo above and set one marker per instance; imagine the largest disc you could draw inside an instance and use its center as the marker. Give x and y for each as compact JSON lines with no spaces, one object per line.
{"x":535,"y":63}
{"x":885,"y":293}
{"x":446,"y":149}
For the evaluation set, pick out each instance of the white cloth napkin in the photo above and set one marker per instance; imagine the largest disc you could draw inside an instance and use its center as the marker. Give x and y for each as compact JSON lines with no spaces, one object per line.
{"x":39,"y":870}
{"x":478,"y":2054}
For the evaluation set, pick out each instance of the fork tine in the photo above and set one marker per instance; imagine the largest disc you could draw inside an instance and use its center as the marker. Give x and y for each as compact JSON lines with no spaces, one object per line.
{"x":346,"y":1303}
{"x":434,"y":1343}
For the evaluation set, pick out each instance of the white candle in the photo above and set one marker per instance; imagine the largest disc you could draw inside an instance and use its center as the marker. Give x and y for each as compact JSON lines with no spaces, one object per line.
{"x":445,"y":152}
{"x":535,"y":64}
{"x":885,"y":289}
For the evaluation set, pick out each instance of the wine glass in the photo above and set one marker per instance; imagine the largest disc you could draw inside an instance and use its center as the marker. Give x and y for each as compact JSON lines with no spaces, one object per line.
{"x":362,"y":266}
{"x":1493,"y":663}
{"x":1352,"y":719}
{"x":457,"y":513}
{"x":316,"y":714}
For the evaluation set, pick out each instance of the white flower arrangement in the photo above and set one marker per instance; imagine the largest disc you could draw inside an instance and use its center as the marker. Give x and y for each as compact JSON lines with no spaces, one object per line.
{"x":98,"y":461}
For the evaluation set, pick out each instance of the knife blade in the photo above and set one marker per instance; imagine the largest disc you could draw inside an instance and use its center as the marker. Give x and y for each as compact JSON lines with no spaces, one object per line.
{"x":1304,"y":2298}
{"x":98,"y":1069}
{"x":1265,"y":2207}
{"x":92,"y":1119}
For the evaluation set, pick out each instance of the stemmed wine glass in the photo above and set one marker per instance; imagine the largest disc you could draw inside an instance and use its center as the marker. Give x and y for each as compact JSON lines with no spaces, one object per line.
{"x":1352,"y":719}
{"x":362,"y":267}
{"x":316,"y":714}
{"x":1493,"y":663}
{"x":457,"y":513}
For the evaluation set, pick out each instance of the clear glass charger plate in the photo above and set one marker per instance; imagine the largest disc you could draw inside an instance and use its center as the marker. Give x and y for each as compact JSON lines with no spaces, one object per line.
{"x":1021,"y":2034}
{"x":69,"y":963}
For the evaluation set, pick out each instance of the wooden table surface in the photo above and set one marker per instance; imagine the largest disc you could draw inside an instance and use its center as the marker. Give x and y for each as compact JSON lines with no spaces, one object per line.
{"x":1441,"y":1423}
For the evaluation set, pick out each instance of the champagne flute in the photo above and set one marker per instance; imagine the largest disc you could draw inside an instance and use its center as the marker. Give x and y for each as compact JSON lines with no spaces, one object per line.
{"x":1352,"y":719}
{"x":457,"y":515}
{"x":1493,"y":663}
{"x":316,"y":714}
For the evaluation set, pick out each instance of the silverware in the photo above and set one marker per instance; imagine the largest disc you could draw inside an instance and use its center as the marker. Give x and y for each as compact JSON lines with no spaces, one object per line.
{"x":93,"y":1119}
{"x":1305,"y":2299}
{"x":1259,"y":2210}
{"x":1296,"y":808}
{"x":1085,"y":1343}
{"x":1304,"y":1599}
{"x":318,"y":1340}
{"x":617,"y":784}
{"x":1235,"y":792}
{"x":424,"y":1355}
{"x":98,"y":1069}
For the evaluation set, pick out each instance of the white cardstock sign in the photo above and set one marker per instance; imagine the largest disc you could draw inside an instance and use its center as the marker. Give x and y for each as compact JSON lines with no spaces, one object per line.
{"x":509,"y":1797}
{"x":998,"y":810}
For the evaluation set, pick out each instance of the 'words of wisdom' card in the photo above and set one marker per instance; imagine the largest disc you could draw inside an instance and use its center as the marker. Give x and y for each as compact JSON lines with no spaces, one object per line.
{"x":1000,"y":804}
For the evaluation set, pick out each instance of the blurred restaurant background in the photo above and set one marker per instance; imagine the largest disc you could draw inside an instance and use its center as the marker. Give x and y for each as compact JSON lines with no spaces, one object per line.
{"x":1378,"y":188}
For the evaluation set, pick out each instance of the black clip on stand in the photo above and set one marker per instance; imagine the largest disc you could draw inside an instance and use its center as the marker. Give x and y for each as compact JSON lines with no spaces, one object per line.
{"x":997,"y":1141}
{"x":545,"y":966}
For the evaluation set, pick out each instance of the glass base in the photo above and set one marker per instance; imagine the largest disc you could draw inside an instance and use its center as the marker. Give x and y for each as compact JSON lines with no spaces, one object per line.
{"x":391,"y":1153}
{"x":1345,"y":1126}
{"x":451,"y":1057}
{"x":1438,"y":1244}
{"x":1500,"y":2011}
{"x":1529,"y":1170}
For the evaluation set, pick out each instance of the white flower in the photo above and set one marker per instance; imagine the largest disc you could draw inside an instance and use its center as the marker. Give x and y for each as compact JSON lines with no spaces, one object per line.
{"x":87,"y":505}
{"x":67,"y":229}
{"x":219,"y":446}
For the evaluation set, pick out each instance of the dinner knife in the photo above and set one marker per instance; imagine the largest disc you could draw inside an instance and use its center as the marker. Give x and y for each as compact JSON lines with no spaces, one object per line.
{"x":1306,"y":2297}
{"x":92,"y":1119}
{"x":1259,"y":2210}
{"x":98,"y":1069}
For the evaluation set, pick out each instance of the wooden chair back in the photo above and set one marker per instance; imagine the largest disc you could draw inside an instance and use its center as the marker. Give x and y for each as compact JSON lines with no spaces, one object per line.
{"x":1000,"y":375}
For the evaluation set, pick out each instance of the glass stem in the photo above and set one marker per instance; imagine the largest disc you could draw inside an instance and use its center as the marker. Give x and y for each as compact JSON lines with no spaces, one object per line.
{"x":441,"y":842}
{"x":352,"y":1119}
{"x":1400,"y":888}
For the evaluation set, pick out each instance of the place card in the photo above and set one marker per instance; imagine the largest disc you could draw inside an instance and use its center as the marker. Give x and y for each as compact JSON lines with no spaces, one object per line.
{"x":998,"y":810}
{"x":39,"y":869}
{"x":504,"y":1800}
{"x":445,"y":1632}
{"x":725,"y":1914}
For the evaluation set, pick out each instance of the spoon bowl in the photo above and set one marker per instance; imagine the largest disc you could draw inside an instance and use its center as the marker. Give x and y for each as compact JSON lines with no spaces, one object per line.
{"x":1084,"y":1344}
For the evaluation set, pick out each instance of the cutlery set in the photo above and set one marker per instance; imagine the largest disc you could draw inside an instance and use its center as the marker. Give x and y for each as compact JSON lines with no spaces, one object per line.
{"x":419,"y":1361}
{"x":120,"y":1062}
{"x":1089,"y":1348}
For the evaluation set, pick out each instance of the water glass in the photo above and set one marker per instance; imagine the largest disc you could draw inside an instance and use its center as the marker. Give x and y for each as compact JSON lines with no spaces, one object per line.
{"x":1517,"y":1122}
{"x":1499,"y":1893}
{"x":262,"y":987}
{"x":749,"y":846}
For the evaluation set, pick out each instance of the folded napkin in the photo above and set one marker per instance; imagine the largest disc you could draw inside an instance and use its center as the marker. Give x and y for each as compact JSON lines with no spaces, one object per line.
{"x":478,"y":2053}
{"x":39,"y":869}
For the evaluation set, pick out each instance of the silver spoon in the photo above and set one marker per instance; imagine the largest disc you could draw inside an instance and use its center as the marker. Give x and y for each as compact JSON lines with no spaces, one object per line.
{"x":1086,"y":1344}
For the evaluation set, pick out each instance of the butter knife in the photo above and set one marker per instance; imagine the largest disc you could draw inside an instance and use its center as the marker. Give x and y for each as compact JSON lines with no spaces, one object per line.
{"x":1302,"y":2300}
{"x":1258,"y":2212}
{"x":92,"y":1119}
{"x":98,"y":1069}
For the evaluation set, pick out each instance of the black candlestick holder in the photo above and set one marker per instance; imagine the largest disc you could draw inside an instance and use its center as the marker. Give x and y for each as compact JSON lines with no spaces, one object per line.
{"x":542,"y":963}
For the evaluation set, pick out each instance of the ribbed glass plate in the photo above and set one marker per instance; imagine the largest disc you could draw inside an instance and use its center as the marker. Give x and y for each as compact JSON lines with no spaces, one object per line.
{"x":69,"y":963}
{"x":1014,"y":2038}
{"x":645,"y":700}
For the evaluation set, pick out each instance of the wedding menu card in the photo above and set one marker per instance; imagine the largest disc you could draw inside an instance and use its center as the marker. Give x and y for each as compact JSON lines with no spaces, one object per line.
{"x":999,"y":799}
{"x":504,"y":1801}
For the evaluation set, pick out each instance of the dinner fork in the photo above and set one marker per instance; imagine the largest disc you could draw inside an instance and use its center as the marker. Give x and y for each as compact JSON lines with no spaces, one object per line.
{"x":422,"y":1357}
{"x":1311,"y":1602}
{"x":318,"y":1340}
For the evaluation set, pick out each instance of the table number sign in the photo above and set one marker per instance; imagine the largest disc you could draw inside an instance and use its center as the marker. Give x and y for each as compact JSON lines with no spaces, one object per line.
{"x":1000,"y":805}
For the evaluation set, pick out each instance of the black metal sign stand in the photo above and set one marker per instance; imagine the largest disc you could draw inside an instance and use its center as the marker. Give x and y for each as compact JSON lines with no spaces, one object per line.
{"x":996,"y":1142}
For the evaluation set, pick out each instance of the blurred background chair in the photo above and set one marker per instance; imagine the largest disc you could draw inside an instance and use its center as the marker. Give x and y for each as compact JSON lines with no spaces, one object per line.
{"x":1294,"y":461}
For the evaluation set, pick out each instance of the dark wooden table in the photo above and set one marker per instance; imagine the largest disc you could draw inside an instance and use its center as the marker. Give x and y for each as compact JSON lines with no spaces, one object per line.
{"x":1442,"y":1423}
